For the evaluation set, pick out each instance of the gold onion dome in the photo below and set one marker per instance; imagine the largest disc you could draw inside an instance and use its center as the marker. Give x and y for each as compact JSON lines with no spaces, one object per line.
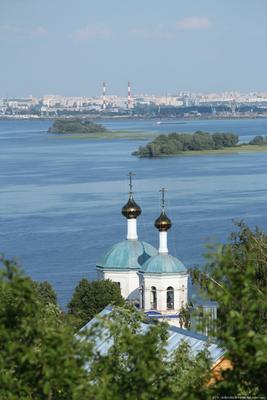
{"x":163,"y":223}
{"x":131,"y":209}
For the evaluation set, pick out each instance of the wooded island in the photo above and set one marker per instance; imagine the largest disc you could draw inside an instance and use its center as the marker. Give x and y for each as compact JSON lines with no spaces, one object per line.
{"x":177,"y":143}
{"x":75,"y":125}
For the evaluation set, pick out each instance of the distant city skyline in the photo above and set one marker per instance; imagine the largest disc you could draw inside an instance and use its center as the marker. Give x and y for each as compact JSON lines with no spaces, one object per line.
{"x":175,"y":93}
{"x":69,"y":48}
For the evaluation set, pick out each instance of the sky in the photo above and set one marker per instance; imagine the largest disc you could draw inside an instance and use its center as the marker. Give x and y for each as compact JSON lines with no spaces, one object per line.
{"x":70,"y":47}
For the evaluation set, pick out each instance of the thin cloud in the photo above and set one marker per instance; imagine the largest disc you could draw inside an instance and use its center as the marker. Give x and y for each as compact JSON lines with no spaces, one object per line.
{"x":160,"y":32}
{"x":169,"y":32}
{"x":92,"y":32}
{"x":12,"y":32}
{"x":193,"y":23}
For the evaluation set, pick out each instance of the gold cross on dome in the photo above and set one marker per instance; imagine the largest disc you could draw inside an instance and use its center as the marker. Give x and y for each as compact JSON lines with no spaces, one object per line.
{"x":131,"y":174}
{"x":163,"y":190}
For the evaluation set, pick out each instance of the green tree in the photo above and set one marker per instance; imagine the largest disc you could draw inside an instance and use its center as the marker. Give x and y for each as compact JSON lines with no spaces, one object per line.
{"x":40,"y":358}
{"x":236,"y":277}
{"x":89,"y":298}
{"x":222,"y":140}
{"x":202,"y":141}
{"x":184,"y":317}
{"x":259,"y":141}
{"x":46,"y":292}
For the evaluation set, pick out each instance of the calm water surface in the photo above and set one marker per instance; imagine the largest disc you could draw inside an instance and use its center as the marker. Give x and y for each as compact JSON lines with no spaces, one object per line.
{"x":60,"y":199}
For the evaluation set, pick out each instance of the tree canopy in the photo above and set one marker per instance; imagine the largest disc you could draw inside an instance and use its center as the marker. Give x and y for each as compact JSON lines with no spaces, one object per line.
{"x":76,"y":125}
{"x":90,"y":297}
{"x":175,"y":143}
{"x":236,"y":277}
{"x":43,"y":357}
{"x":46,"y":292}
{"x":259,"y":141}
{"x":40,"y":358}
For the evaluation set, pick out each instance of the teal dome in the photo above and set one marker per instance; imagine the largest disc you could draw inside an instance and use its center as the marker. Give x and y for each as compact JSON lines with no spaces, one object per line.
{"x":128,"y":254}
{"x":163,"y":264}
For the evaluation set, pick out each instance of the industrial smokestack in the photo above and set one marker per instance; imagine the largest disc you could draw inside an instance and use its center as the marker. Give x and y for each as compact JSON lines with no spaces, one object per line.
{"x":129,"y":96}
{"x":104,"y":96}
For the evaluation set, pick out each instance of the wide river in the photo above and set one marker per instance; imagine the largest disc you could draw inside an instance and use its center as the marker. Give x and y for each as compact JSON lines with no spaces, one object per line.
{"x":61,"y":199}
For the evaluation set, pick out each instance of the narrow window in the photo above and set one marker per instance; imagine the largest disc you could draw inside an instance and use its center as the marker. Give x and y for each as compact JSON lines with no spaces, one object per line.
{"x":153,"y":298}
{"x":170,"y":298}
{"x":142,"y":297}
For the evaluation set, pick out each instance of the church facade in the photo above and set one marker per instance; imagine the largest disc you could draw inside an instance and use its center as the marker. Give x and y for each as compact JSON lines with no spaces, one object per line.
{"x":150,"y":277}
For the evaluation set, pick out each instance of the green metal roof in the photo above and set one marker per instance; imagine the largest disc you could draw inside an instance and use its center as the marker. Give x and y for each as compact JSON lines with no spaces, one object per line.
{"x":128,"y":254}
{"x":163,"y":264}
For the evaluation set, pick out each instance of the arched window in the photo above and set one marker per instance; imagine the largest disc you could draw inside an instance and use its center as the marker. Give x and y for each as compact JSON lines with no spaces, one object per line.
{"x":153,"y":298}
{"x":170,"y":298}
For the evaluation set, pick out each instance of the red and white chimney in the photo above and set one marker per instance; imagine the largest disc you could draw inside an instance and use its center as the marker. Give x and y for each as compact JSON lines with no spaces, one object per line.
{"x":104,"y":104}
{"x":129,"y":96}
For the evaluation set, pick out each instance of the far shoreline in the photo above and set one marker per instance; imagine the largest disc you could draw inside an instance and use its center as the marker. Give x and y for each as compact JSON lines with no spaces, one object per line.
{"x":97,"y":117}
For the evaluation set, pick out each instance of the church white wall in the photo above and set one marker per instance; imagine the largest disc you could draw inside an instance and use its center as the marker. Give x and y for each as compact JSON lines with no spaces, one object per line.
{"x":161,"y":283}
{"x":132,"y":229}
{"x":128,"y":280}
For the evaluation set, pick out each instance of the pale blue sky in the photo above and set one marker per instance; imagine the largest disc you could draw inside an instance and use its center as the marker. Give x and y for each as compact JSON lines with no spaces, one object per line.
{"x":69,"y":47}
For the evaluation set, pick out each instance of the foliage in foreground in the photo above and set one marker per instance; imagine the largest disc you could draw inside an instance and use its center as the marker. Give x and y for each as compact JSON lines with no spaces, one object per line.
{"x":41,"y":358}
{"x":137,"y":365}
{"x":236,"y":277}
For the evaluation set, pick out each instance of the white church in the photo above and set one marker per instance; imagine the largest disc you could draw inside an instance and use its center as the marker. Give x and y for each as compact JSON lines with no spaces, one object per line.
{"x":153,"y":278}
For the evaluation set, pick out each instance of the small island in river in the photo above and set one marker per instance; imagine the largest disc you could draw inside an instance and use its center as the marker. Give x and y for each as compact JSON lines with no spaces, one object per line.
{"x":198,"y":142}
{"x":75,"y":125}
{"x":78,"y":128}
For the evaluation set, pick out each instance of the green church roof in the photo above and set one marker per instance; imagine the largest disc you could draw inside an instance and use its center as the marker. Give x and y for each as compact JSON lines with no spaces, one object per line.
{"x":163,"y":264}
{"x":128,"y":254}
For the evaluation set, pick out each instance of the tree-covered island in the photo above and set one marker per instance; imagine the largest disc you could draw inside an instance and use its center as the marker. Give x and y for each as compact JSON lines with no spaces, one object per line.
{"x":177,"y":143}
{"x":76,"y":125}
